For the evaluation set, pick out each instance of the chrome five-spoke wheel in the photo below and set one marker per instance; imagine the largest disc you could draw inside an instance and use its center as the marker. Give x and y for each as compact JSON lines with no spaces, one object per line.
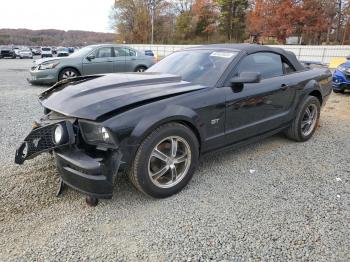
{"x":165,"y":160}
{"x":169,"y":162}
{"x":309,"y":119}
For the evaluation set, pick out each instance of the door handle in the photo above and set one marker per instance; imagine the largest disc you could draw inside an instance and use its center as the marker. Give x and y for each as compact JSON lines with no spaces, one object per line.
{"x":284,"y":87}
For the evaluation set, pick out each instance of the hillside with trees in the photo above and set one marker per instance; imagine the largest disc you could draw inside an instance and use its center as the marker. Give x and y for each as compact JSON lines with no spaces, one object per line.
{"x":52,"y":37}
{"x":207,"y":21}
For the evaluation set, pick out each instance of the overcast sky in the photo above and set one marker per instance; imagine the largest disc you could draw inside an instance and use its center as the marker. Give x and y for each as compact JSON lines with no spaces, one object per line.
{"x":89,"y":15}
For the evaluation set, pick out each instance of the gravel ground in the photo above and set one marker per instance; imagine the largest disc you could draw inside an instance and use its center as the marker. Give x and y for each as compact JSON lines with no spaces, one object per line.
{"x":295,"y":206}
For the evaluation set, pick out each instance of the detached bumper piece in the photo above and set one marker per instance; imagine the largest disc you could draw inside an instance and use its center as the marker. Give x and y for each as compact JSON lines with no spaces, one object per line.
{"x":41,"y":140}
{"x":91,"y":176}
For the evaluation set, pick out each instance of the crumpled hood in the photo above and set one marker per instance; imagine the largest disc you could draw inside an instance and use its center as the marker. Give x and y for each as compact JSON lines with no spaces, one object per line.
{"x":90,"y":97}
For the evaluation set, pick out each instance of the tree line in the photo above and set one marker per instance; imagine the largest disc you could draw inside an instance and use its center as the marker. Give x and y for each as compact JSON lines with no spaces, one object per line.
{"x":209,"y":21}
{"x":52,"y":37}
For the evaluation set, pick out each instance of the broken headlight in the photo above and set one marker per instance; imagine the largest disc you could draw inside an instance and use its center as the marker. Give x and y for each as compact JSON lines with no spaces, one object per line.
{"x":96,"y":134}
{"x":48,"y":65}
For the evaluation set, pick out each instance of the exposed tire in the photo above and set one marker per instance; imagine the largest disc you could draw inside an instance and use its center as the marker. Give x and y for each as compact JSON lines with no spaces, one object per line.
{"x":140,"y":69}
{"x":298,"y":131}
{"x":146,"y":170}
{"x":67,"y":73}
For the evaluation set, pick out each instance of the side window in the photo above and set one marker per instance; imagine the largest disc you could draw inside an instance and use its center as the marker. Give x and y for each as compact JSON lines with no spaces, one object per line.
{"x":288,"y":69}
{"x":104,"y":52}
{"x":122,"y":51}
{"x":267,"y":64}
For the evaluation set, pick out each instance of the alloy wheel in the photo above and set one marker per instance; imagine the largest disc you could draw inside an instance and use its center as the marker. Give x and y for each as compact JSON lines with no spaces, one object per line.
{"x":68,"y":74}
{"x":309,"y":120}
{"x":169,"y":162}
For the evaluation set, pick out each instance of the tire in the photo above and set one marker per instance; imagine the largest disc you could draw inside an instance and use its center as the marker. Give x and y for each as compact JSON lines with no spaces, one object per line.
{"x":338,"y":91}
{"x":187,"y":148}
{"x":298,"y":128}
{"x":68,"y":73}
{"x":140,"y":69}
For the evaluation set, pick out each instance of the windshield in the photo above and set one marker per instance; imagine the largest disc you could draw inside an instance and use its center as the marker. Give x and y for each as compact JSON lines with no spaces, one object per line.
{"x":82,"y":52}
{"x":202,"y":67}
{"x":46,"y":49}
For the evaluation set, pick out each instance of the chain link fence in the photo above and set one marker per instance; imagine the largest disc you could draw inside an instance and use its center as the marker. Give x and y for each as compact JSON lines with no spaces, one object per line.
{"x":314,"y":53}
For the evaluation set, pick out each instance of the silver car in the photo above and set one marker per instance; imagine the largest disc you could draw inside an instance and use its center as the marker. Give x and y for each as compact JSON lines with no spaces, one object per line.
{"x":94,"y":59}
{"x":25,"y":52}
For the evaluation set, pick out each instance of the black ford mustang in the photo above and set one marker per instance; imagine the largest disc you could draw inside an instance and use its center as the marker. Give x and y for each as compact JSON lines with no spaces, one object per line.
{"x":156,"y":124}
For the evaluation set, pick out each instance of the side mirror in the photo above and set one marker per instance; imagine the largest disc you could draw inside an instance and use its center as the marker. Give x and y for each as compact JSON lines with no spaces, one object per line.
{"x":246,"y":77}
{"x":90,"y":57}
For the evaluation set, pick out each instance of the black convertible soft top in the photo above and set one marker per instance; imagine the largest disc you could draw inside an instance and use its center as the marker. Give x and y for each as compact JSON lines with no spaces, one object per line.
{"x":253,"y":48}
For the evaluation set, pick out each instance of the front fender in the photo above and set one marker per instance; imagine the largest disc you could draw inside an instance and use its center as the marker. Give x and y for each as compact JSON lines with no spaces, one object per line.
{"x":151,"y":120}
{"x":171,"y":113}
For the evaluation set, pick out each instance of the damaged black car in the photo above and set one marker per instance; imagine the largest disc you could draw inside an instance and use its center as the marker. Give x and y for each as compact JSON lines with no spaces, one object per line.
{"x":156,"y":124}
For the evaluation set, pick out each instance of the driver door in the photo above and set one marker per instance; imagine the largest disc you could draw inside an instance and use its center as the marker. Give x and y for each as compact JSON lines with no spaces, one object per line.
{"x":256,"y":108}
{"x":100,"y":61}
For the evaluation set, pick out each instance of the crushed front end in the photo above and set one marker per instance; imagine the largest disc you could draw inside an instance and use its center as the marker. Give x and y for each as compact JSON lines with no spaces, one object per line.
{"x":86,"y":153}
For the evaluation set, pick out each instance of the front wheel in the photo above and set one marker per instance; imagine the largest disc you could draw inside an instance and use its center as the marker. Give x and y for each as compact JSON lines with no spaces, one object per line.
{"x":67,"y":73}
{"x":165,"y":161}
{"x":305,"y":123}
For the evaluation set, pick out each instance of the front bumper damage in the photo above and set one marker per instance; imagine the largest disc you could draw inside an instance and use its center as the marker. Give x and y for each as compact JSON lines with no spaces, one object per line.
{"x":83,"y":168}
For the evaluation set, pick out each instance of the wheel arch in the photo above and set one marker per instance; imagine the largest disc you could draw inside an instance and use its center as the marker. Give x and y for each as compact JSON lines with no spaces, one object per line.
{"x":316,"y":93}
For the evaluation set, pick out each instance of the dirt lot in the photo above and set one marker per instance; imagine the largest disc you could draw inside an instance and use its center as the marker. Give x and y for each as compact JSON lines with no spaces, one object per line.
{"x":295,"y":206}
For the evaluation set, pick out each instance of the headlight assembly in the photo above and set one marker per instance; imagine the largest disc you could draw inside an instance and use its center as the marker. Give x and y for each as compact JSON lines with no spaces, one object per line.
{"x":58,"y":135}
{"x":96,"y":134}
{"x":48,"y":65}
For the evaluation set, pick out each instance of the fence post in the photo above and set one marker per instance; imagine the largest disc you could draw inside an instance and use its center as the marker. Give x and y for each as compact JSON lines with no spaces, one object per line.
{"x":323,"y":54}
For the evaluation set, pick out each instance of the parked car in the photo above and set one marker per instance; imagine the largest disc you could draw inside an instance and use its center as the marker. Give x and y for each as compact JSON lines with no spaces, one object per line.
{"x":25,"y":53}
{"x":7,"y":51}
{"x":46,"y":52}
{"x":158,"y":123}
{"x":62,"y":51}
{"x":95,"y":59}
{"x":16,"y":50}
{"x":341,"y":78}
{"x":36,"y":50}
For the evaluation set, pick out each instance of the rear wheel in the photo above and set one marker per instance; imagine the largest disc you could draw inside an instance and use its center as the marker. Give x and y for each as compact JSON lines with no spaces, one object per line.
{"x":165,"y":161}
{"x":140,"y":69}
{"x":305,"y":123}
{"x":68,"y":73}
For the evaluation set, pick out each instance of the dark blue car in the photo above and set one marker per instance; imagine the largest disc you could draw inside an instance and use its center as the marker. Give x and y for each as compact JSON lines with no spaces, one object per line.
{"x":341,"y":78}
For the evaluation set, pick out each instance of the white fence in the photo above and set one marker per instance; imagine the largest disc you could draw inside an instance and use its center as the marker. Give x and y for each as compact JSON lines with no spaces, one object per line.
{"x":304,"y":52}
